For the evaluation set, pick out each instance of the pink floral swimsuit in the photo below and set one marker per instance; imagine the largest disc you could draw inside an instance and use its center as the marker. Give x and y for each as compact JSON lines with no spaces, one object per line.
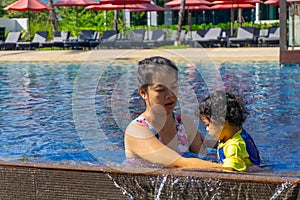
{"x":183,"y":145}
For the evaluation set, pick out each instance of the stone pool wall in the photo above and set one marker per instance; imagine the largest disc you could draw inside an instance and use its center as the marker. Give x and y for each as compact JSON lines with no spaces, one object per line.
{"x":39,"y":181}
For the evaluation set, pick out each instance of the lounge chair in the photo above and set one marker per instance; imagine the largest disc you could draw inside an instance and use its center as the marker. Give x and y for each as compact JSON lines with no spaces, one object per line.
{"x":192,"y":37}
{"x":59,"y":39}
{"x":170,"y":41}
{"x":211,"y":37}
{"x":108,"y":39}
{"x":96,"y":40}
{"x":135,"y":40}
{"x":83,"y":41}
{"x":273,"y":37}
{"x":11,"y":40}
{"x":245,"y":36}
{"x":148,"y":35}
{"x":156,"y":39}
{"x":39,"y":38}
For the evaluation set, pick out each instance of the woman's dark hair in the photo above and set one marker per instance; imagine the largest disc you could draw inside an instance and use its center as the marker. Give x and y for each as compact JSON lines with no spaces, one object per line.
{"x":221,"y":106}
{"x":149,"y":67}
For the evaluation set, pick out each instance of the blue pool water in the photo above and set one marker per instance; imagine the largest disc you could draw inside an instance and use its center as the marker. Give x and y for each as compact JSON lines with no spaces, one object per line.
{"x":37,"y":121}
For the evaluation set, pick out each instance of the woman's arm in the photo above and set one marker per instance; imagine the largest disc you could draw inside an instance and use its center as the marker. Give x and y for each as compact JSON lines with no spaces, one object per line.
{"x":198,"y":144}
{"x":140,"y":141}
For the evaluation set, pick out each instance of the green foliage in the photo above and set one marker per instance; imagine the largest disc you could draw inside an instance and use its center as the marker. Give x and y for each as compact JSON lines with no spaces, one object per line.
{"x":87,"y":19}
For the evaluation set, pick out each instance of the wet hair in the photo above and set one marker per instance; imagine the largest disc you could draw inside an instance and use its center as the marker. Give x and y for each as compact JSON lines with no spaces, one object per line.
{"x":220,"y":104}
{"x":149,"y":67}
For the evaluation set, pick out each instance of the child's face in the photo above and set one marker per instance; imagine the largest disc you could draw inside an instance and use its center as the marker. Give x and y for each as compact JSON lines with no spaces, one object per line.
{"x":213,"y":128}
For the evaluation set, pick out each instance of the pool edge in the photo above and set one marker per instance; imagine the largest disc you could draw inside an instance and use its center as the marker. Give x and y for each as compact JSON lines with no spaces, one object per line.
{"x":49,"y":181}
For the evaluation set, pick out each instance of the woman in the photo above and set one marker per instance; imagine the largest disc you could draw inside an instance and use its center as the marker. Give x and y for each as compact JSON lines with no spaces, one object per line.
{"x":159,"y":135}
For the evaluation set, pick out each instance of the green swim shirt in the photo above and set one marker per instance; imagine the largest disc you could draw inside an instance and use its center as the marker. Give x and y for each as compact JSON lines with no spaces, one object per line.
{"x":235,"y":153}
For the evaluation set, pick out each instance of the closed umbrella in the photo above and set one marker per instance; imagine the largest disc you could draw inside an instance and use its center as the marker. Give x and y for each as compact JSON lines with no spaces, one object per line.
{"x":75,"y":3}
{"x":26,"y":6}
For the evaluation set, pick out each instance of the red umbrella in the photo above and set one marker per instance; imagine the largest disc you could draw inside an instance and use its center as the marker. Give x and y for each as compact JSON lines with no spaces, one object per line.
{"x":233,"y":6}
{"x":124,"y":2}
{"x":236,"y":2}
{"x":26,"y":6}
{"x":113,"y":7}
{"x":75,"y":3}
{"x":272,"y":2}
{"x":192,"y":8}
{"x":148,"y":7}
{"x":188,"y":3}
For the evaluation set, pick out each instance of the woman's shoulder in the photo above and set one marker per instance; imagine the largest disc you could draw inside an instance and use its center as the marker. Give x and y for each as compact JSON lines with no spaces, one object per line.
{"x":138,"y":127}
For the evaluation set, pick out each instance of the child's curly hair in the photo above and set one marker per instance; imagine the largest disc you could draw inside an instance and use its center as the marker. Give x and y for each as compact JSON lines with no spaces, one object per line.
{"x":220,"y":104}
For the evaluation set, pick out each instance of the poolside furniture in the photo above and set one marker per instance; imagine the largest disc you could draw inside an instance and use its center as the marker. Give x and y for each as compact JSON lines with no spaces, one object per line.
{"x":273,"y":37}
{"x":59,"y":39}
{"x":169,"y":41}
{"x":245,"y":36}
{"x":191,"y":37}
{"x":156,"y":38}
{"x":210,"y":38}
{"x":135,"y":40}
{"x":11,"y":40}
{"x":2,"y":34}
{"x":83,"y":41}
{"x":39,"y":38}
{"x":148,"y":35}
{"x":108,"y":39}
{"x":96,"y":40}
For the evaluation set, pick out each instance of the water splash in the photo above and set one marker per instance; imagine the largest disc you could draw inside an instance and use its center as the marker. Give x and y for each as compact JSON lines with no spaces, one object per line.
{"x":169,"y":186}
{"x":161,"y":186}
{"x":281,"y":189}
{"x":130,"y":197}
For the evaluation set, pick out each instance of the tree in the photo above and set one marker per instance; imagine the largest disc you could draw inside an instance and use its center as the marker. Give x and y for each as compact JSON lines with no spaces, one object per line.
{"x":53,"y":17}
{"x":180,"y":20}
{"x":116,"y":16}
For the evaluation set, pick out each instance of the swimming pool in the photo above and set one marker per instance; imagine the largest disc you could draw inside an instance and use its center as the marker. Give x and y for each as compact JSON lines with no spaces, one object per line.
{"x":38,"y":124}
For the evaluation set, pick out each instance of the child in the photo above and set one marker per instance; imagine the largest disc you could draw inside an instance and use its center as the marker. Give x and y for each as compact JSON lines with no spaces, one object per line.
{"x":223,"y":114}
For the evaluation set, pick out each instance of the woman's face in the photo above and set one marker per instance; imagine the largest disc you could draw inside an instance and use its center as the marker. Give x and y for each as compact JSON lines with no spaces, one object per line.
{"x":163,"y":91}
